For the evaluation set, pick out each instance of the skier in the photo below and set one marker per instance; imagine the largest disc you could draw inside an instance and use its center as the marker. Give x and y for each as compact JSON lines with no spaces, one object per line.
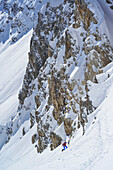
{"x":64,"y":146}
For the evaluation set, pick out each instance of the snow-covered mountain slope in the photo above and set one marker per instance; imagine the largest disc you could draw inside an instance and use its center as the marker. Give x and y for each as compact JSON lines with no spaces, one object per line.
{"x":65,"y":61}
{"x":14,"y":58}
{"x":67,"y":87}
{"x":18,"y":17}
{"x":92,"y":151}
{"x":13,"y":61}
{"x":106,"y":18}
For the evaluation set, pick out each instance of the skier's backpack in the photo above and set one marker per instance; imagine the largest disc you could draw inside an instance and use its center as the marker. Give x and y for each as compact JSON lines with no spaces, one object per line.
{"x":64,"y":144}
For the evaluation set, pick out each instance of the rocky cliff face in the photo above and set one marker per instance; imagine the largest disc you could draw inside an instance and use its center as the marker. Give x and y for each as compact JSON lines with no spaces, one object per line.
{"x":17,"y":18}
{"x":65,"y":56}
{"x":67,"y":52}
{"x":110,"y":2}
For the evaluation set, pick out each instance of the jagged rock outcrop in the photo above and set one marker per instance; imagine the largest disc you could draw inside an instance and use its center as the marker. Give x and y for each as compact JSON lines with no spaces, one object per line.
{"x":62,"y":101}
{"x":17,"y":18}
{"x":46,"y":30}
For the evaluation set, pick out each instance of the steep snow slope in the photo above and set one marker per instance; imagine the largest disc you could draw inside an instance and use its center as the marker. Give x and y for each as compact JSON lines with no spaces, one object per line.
{"x":84,"y":153}
{"x":108,"y":17}
{"x":105,"y":15}
{"x":13,"y":62}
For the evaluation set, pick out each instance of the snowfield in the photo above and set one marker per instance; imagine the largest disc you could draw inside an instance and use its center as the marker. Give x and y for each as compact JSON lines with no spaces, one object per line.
{"x":13,"y":62}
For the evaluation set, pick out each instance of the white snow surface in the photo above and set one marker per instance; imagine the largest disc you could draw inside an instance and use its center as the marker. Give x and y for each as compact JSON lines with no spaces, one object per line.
{"x":105,"y":15}
{"x":13,"y":62}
